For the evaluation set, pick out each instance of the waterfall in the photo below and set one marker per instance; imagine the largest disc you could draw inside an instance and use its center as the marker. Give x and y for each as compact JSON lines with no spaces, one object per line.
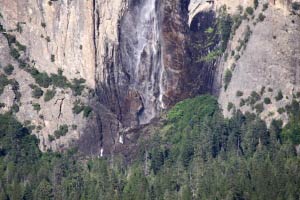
{"x":141,"y":56}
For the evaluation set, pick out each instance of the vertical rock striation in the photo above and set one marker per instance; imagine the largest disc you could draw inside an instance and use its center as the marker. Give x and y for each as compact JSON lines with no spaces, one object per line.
{"x":147,"y":67}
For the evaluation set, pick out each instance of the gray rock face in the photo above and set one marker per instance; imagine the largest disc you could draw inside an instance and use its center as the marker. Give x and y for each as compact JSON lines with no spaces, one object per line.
{"x":140,"y":57}
{"x":63,"y":29}
{"x":270,"y":60}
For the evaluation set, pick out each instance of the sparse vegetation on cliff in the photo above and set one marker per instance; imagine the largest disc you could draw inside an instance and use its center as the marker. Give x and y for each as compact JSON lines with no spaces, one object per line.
{"x":239,"y":93}
{"x":256,"y":3}
{"x":261,"y":17}
{"x":78,"y":107}
{"x":61,"y":131}
{"x":49,"y":95}
{"x":8,"y":69}
{"x":296,"y":6}
{"x":267,"y":100}
{"x":230,"y":106}
{"x":15,"y":53}
{"x":225,"y":23}
{"x":249,"y":10}
{"x":279,"y":96}
{"x":265,"y":6}
{"x":37,"y":92}
{"x":259,"y":108}
{"x":227,"y":78}
{"x":3,"y":82}
{"x":36,"y":106}
{"x":52,"y":58}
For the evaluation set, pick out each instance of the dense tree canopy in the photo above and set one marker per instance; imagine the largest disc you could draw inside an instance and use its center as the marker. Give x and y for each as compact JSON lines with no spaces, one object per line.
{"x":197,"y":154}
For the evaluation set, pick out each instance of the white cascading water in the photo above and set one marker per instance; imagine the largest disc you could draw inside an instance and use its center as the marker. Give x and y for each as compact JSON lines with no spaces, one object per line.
{"x":144,"y":59}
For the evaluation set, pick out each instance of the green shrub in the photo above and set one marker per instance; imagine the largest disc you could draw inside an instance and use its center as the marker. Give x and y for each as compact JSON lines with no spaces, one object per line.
{"x":230,"y":106}
{"x":226,"y":56}
{"x":242,"y":102}
{"x":8,"y":69}
{"x":77,"y":86}
{"x":15,"y":108}
{"x":296,"y":6}
{"x":240,"y":8}
{"x":20,"y":46}
{"x":237,"y":21}
{"x":49,"y":95}
{"x":250,"y":10}
{"x":14,"y":53}
{"x":51,"y":138}
{"x":211,"y":56}
{"x":209,"y":30}
{"x":11,"y":39}
{"x":224,"y":26}
{"x":42,"y":79}
{"x":255,"y":4}
{"x":15,"y":87}
{"x":87,"y":111}
{"x":37,"y":92}
{"x":279,"y":96}
{"x":3,"y":82}
{"x":270,"y":114}
{"x":62,"y":131}
{"x":291,"y":131}
{"x":52,"y":58}
{"x":265,"y":6}
{"x":36,"y":106}
{"x":192,"y":109}
{"x":254,"y":97}
{"x":2,"y":105}
{"x":259,"y":107}
{"x":22,"y":64}
{"x":261,"y":17}
{"x":227,"y":78}
{"x":262,"y":90}
{"x":77,"y":107}
{"x":19,"y":27}
{"x":267,"y":100}
{"x":237,"y":57}
{"x":74,"y":126}
{"x":232,"y":67}
{"x":281,"y":110}
{"x":39,"y":128}
{"x":239,"y":93}
{"x":59,"y":80}
{"x":247,"y":34}
{"x":232,"y":53}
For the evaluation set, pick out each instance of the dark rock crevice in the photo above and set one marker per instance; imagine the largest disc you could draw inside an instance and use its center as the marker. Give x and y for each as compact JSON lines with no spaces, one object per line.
{"x":204,"y":39}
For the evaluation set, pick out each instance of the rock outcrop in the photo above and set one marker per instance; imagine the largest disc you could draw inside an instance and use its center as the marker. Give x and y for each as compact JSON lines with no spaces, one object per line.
{"x":267,"y":64}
